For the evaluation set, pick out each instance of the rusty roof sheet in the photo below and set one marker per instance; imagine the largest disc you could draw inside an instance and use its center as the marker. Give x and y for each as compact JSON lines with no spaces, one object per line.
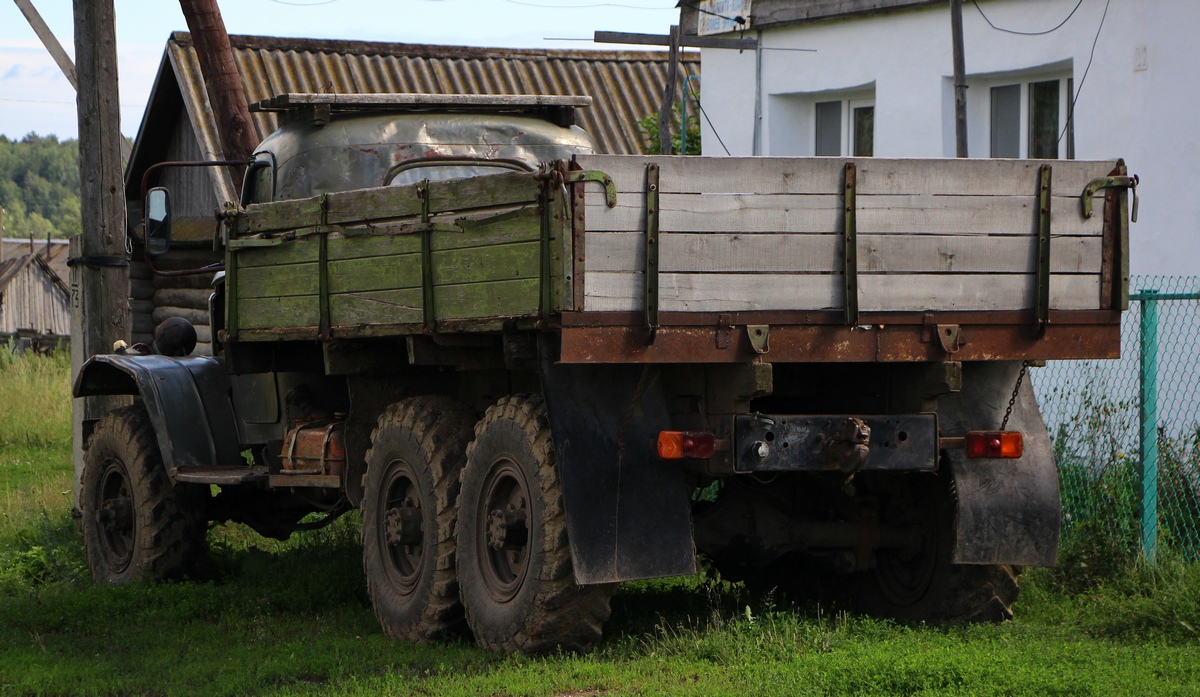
{"x":54,"y":253}
{"x":626,"y":85}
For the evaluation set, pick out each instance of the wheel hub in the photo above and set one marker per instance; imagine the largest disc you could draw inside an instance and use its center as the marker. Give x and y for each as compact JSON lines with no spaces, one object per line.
{"x":506,"y":529}
{"x":402,"y":524}
{"x":116,"y":514}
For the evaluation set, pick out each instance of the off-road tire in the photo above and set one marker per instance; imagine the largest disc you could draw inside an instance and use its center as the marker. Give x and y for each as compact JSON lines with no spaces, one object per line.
{"x":418,"y":449}
{"x":540,"y":609}
{"x":936,"y":590}
{"x":153,"y":528}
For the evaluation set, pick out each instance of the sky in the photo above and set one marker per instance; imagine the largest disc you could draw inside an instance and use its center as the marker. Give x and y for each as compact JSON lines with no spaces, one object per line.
{"x":36,"y":97}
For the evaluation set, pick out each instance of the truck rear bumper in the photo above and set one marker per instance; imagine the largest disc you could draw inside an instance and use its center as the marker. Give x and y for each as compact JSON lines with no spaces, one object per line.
{"x":793,"y":443}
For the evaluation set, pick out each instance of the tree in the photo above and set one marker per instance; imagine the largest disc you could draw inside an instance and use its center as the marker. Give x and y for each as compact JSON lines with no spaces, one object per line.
{"x":648,"y":129}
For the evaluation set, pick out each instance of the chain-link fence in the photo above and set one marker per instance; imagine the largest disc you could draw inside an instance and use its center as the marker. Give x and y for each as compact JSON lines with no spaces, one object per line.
{"x":1127,"y":432}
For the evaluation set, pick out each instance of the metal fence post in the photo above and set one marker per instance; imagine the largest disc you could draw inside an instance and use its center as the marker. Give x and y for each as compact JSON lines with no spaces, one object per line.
{"x":1149,"y":418}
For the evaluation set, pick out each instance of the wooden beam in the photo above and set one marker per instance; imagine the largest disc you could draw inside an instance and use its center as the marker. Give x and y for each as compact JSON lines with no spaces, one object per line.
{"x":100,"y":273}
{"x":620,"y":37}
{"x":222,"y":82}
{"x":664,"y":112}
{"x":59,"y":54}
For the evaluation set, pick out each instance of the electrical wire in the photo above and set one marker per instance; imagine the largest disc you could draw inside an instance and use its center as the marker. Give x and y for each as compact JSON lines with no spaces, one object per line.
{"x":1071,"y":109}
{"x":1025,"y":33}
{"x":738,"y":20}
{"x":704,"y":113}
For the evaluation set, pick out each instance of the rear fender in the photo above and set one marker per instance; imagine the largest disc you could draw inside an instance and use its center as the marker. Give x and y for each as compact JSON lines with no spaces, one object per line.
{"x":187,"y":400}
{"x":1007,"y":511}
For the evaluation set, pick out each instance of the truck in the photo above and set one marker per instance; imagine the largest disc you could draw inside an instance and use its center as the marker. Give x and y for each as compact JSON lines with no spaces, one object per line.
{"x":539,"y":371}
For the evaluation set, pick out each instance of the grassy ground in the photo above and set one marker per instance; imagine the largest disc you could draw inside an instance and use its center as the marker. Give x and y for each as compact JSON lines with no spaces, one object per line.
{"x":293,"y":619}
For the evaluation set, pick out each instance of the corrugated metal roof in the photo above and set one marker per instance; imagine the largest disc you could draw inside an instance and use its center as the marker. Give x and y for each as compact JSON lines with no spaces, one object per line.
{"x":626,"y":85}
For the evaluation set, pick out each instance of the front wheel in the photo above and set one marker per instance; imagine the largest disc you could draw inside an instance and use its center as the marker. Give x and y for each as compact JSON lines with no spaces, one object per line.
{"x":514,"y":560}
{"x":136,"y":523}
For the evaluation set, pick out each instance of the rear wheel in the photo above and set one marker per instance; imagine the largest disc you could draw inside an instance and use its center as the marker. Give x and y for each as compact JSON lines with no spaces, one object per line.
{"x":921,"y":583}
{"x":136,"y":523}
{"x":514,"y":560}
{"x":412,"y":483}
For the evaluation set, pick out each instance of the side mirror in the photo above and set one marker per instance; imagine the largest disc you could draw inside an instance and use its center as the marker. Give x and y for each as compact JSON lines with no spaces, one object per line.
{"x":158,"y":221}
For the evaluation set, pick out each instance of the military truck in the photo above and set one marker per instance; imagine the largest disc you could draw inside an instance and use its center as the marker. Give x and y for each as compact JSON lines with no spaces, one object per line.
{"x":539,"y":371}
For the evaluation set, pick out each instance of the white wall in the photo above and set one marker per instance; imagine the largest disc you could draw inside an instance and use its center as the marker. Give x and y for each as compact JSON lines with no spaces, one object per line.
{"x":1149,"y":117}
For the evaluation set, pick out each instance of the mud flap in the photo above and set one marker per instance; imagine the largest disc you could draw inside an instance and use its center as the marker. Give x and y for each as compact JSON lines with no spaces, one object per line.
{"x":628,"y":512}
{"x":1007,"y":511}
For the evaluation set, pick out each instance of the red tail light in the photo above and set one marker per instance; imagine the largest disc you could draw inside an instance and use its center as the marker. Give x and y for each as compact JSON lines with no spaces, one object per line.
{"x":1003,"y":444}
{"x":676,"y":445}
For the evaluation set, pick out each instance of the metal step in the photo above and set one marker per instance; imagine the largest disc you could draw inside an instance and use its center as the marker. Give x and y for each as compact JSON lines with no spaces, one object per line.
{"x":221,"y":476}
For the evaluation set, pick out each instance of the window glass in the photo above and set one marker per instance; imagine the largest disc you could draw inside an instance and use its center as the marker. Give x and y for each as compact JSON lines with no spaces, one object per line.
{"x":864,"y":131}
{"x":1006,"y":121}
{"x":1070,"y":118}
{"x":829,"y":129}
{"x":1043,"y":119}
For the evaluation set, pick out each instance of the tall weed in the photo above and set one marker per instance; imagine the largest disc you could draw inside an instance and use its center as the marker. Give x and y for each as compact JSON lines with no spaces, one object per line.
{"x":35,"y":398}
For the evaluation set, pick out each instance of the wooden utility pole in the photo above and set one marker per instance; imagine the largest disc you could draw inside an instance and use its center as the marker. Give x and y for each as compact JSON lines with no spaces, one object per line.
{"x":99,"y":263}
{"x":222,"y":81}
{"x":960,"y":80}
{"x":664,"y":114}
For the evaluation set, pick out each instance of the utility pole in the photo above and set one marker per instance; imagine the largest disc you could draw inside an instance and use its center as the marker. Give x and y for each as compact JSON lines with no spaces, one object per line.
{"x":222,"y":81}
{"x":99,"y":264}
{"x":960,"y":80}
{"x":664,"y":113}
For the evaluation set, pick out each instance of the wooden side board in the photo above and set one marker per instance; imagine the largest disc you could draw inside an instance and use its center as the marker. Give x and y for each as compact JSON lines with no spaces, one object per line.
{"x":738,"y":234}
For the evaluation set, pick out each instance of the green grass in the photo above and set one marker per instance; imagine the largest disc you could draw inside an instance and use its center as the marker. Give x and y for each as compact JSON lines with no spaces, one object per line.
{"x":294,"y":619}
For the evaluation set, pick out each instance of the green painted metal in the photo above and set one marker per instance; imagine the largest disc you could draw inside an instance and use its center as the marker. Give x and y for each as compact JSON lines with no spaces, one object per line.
{"x":651,"y":242}
{"x":850,"y":245}
{"x":1149,"y":421}
{"x":595,"y":175}
{"x":427,"y":300}
{"x":1042,"y":297}
{"x":1117,"y":181}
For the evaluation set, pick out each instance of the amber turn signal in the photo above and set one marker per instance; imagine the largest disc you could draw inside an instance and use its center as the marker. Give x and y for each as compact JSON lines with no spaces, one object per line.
{"x":676,"y":445}
{"x":991,"y":444}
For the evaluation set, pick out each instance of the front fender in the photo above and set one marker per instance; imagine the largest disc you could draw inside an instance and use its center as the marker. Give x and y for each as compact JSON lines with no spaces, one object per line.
{"x":187,"y":400}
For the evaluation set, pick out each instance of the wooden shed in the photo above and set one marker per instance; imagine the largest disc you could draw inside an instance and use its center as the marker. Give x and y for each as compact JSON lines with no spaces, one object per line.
{"x":179,"y":125}
{"x":34,"y":301}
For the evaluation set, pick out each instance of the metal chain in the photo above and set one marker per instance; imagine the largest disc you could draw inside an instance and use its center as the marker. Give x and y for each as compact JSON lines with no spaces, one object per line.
{"x":1013,"y":399}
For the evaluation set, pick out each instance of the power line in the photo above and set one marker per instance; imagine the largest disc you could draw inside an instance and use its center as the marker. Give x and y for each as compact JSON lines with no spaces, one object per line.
{"x":1026,"y":33}
{"x":738,"y":20}
{"x":700,"y":106}
{"x":581,"y":7}
{"x":1071,"y":109}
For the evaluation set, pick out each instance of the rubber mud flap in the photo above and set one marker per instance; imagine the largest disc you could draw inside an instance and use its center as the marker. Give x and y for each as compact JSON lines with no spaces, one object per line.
{"x":628,"y":512}
{"x":1007,"y":511}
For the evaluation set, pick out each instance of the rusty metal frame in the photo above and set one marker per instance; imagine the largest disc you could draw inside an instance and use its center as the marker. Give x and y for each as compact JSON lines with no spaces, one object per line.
{"x":850,"y":245}
{"x":651,"y":248}
{"x":427,"y":307}
{"x":1042,"y":294}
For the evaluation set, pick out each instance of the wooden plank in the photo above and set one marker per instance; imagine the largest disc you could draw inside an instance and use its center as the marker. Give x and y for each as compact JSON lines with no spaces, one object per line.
{"x":377,"y":273}
{"x":611,"y":291}
{"x":375,"y":203}
{"x":515,"y":298}
{"x":280,"y":215}
{"x":495,"y":263}
{"x":376,"y":307}
{"x":371,"y":246}
{"x":272,"y":281}
{"x":293,"y":252}
{"x":490,"y":191}
{"x":288,"y":311}
{"x":516,"y":225}
{"x":821,"y":175}
{"x":813,"y":213}
{"x":766,"y":253}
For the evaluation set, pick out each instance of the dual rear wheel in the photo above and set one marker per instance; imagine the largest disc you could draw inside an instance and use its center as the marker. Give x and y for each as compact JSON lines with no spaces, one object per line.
{"x":470,"y":526}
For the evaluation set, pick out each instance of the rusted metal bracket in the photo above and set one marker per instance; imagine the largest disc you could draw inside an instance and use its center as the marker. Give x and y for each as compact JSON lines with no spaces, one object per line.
{"x":595,"y":175}
{"x":429,"y":312}
{"x":724,"y":330}
{"x":1042,"y":297}
{"x":1118,"y":182}
{"x":950,"y":337}
{"x":651,"y":251}
{"x":850,"y":247}
{"x":760,"y":337}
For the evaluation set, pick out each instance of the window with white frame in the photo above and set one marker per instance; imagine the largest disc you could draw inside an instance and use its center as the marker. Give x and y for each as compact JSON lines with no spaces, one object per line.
{"x":1030,"y":117}
{"x":837,"y":123}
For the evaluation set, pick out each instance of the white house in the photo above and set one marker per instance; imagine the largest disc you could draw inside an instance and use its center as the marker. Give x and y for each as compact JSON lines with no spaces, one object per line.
{"x":875,"y":77}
